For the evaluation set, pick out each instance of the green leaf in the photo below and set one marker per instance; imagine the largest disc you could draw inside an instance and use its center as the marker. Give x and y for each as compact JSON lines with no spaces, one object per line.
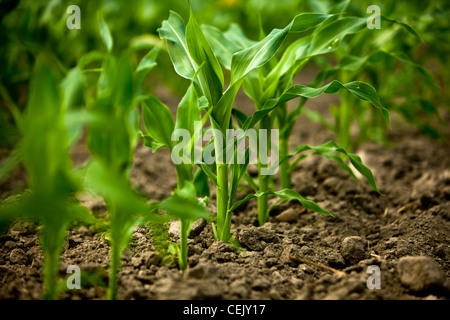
{"x":287,"y":195}
{"x":307,"y":20}
{"x":174,"y":31}
{"x":257,"y":55}
{"x":330,"y":147}
{"x":105,"y":33}
{"x":147,"y":63}
{"x":237,"y":171}
{"x":158,"y":121}
{"x":329,"y":37}
{"x":359,"y":89}
{"x":200,"y":50}
{"x":404,"y":25}
{"x":222,"y":111}
{"x":150,"y":143}
{"x":201,"y":183}
{"x":188,"y":111}
{"x":222,"y":47}
{"x":184,"y":205}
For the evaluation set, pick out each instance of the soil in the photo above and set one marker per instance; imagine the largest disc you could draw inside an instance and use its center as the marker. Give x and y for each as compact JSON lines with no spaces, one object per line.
{"x":296,"y":255}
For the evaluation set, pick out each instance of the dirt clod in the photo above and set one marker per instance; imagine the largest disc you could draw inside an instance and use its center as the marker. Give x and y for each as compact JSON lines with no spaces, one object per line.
{"x":420,"y":273}
{"x":353,"y":249}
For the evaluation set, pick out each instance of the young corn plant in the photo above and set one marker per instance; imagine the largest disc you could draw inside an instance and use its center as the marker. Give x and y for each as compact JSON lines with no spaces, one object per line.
{"x":112,"y":135}
{"x":271,"y":86}
{"x":161,"y":129}
{"x":44,"y":151}
{"x":194,"y":59}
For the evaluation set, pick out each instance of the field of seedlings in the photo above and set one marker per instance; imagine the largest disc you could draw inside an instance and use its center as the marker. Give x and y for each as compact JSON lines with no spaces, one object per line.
{"x":224,"y":149}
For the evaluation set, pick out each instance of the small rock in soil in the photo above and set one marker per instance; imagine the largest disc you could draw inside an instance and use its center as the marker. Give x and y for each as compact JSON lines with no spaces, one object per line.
{"x":421,"y":274}
{"x":200,"y":271}
{"x":332,"y":184}
{"x":289,"y":215}
{"x":18,"y":256}
{"x":353,"y":249}
{"x":257,"y":238}
{"x":335,"y":260}
{"x":150,"y":258}
{"x":197,"y":227}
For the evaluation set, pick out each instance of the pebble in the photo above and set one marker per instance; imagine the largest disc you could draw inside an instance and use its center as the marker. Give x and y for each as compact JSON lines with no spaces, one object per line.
{"x":353,"y":249}
{"x":335,"y":260}
{"x":289,"y":215}
{"x":332,"y":184}
{"x":257,"y":238}
{"x":420,"y":273}
{"x":196,"y":228}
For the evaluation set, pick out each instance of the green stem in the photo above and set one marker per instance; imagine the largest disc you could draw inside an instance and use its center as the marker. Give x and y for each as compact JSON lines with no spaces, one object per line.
{"x":263,"y":180}
{"x":263,"y":201}
{"x":113,"y":271}
{"x":182,"y":257}
{"x":223,"y":218}
{"x":51,"y":267}
{"x":343,"y":121}
{"x":285,"y":174}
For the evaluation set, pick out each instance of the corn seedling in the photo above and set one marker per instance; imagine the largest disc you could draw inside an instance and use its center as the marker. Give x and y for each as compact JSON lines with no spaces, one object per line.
{"x":43,"y":150}
{"x":161,"y":127}
{"x":194,"y":59}
{"x":112,"y":136}
{"x":270,"y":87}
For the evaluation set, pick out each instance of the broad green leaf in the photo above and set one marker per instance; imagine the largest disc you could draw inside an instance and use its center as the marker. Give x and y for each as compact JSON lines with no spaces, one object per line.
{"x":201,"y":183}
{"x":73,"y":100}
{"x":236,"y":36}
{"x":145,"y":65}
{"x":237,"y":171}
{"x":330,"y":36}
{"x":222,"y":111}
{"x":150,"y":143}
{"x":105,"y":33}
{"x":257,"y":55}
{"x":200,"y":50}
{"x":188,"y":111}
{"x":307,"y":20}
{"x":207,"y":170}
{"x":285,"y":194}
{"x":404,"y":25}
{"x":45,"y":141}
{"x":359,"y":89}
{"x":183,"y":204}
{"x":330,"y":147}
{"x":174,"y":31}
{"x":222,"y":47}
{"x":158,"y":121}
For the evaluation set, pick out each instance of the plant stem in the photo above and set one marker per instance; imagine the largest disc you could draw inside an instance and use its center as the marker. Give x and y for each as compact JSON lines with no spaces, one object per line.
{"x":182,"y":258}
{"x":223,"y":218}
{"x":51,"y":267}
{"x":115,"y":252}
{"x":343,"y":119}
{"x":285,"y":174}
{"x":263,"y":200}
{"x":263,"y":180}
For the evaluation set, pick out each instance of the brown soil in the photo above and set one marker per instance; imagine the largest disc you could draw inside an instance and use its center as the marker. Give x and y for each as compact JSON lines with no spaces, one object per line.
{"x":411,"y":218}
